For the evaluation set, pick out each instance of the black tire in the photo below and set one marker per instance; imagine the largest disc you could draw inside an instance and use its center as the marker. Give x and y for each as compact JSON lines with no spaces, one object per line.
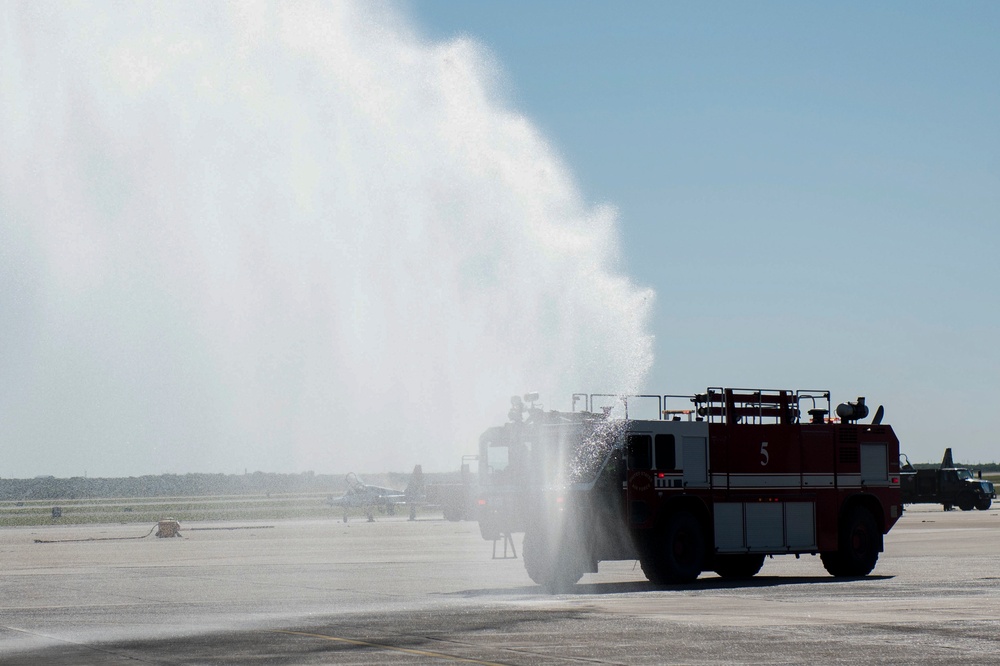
{"x":678,"y":554}
{"x":966,"y":501}
{"x":534,"y":554}
{"x":556,"y":567}
{"x":860,"y":544}
{"x":984,"y":503}
{"x":738,"y":567}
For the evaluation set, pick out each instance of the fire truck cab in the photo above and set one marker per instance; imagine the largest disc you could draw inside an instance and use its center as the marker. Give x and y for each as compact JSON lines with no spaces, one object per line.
{"x":735,"y":477}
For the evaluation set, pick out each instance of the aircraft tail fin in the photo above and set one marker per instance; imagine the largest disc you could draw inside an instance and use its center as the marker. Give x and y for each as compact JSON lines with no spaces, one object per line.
{"x":947,"y":461}
{"x":415,"y":488}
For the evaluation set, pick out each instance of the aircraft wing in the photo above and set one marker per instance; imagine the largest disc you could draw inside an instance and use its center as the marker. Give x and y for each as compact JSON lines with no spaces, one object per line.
{"x":355,"y":500}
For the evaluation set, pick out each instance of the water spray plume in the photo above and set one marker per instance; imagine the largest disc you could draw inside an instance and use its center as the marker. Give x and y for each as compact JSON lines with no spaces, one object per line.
{"x":283,"y":237}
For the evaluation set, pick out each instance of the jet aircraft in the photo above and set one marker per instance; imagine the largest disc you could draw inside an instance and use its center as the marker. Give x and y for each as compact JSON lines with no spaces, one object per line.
{"x":360,"y":495}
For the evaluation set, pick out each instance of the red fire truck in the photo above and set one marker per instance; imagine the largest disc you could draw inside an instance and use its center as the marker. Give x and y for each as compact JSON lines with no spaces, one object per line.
{"x":737,"y":475}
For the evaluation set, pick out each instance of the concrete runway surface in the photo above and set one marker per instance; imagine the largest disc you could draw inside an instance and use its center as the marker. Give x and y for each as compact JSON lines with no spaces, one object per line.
{"x":428,"y":592}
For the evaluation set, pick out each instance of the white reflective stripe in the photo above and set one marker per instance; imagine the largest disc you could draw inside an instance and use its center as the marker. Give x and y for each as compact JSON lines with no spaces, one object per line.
{"x":817,"y":479}
{"x":849,"y":480}
{"x":765,"y":480}
{"x":794,"y":481}
{"x":770,"y":480}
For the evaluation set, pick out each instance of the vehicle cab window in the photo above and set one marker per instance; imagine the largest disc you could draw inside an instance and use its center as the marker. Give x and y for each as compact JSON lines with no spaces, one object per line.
{"x":639,"y":452}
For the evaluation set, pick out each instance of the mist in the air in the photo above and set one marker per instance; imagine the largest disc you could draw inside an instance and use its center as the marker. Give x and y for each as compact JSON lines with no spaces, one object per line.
{"x":282,"y":237}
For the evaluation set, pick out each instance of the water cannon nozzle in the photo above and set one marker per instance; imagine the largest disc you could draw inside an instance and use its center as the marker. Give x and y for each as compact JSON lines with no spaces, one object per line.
{"x":850,"y":412}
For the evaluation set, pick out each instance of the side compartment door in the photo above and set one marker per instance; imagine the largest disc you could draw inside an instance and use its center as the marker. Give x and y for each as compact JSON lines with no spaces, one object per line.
{"x":874,"y":464}
{"x":694,"y":458}
{"x":765,"y":527}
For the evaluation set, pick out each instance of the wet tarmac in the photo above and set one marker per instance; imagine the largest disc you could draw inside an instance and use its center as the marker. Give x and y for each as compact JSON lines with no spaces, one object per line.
{"x":428,"y":592}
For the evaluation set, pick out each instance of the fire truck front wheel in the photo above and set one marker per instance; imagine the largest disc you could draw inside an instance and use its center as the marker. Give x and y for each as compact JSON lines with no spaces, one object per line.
{"x":860,"y":543}
{"x":984,"y":503}
{"x":556,"y":567}
{"x":677,"y":554}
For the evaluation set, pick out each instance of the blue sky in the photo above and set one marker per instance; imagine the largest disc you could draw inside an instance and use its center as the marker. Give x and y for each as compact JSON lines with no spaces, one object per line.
{"x":218,"y":221}
{"x":812,"y":189}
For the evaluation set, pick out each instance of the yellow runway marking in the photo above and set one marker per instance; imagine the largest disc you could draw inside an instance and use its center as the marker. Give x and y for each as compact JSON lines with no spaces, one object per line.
{"x":422,"y":653}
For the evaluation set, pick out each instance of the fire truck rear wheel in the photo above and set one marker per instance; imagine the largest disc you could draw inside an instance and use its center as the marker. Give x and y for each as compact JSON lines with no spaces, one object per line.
{"x":984,"y":503}
{"x":678,"y":554}
{"x":738,"y":567}
{"x":966,"y":501}
{"x":860,"y":544}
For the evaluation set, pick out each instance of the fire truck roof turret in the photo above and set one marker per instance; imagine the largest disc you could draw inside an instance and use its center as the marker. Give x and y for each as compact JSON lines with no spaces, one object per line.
{"x":850,"y":412}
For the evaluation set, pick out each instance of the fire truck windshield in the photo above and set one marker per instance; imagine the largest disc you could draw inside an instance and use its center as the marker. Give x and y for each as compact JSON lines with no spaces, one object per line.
{"x":571,"y":454}
{"x":546,"y":454}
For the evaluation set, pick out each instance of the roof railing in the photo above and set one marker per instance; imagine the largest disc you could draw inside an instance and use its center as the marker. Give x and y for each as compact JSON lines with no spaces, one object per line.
{"x":607,"y":403}
{"x":718,"y":405}
{"x":740,"y":405}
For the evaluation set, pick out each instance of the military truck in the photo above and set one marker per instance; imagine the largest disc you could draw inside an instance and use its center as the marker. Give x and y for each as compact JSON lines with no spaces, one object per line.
{"x":457,"y":500}
{"x":947,"y":485}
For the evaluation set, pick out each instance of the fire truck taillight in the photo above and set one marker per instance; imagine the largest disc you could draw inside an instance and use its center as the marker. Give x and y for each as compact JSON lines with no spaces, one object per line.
{"x":895,"y":480}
